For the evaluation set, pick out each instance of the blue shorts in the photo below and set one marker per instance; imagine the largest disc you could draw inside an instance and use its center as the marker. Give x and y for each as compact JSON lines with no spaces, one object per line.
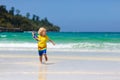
{"x":41,"y":52}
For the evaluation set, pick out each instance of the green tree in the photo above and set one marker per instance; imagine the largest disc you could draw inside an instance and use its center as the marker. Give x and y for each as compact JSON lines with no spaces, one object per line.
{"x":37,"y":18}
{"x":3,"y":9}
{"x":34,"y":16}
{"x":11,"y":11}
{"x":18,"y":12}
{"x":28,"y":15}
{"x":11,"y":21}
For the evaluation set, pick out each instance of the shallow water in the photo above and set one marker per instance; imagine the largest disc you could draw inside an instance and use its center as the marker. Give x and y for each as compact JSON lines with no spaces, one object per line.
{"x":65,"y":40}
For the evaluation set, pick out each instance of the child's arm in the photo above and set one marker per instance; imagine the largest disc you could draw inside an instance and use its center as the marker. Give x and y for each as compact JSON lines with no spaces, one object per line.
{"x":52,"y":41}
{"x":34,"y":36}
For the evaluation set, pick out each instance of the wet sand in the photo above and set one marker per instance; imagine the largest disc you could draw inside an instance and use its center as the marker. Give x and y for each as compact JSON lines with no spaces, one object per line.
{"x":24,"y":65}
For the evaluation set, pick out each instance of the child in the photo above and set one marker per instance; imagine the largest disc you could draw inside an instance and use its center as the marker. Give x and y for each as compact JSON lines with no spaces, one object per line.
{"x":42,"y":39}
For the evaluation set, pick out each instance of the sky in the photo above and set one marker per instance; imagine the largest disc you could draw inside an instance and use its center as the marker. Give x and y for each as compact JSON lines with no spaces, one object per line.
{"x":73,"y":15}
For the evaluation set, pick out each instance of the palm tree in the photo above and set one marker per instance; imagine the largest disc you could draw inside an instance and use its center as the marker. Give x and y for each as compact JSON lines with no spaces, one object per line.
{"x":37,"y":18}
{"x":28,"y":15}
{"x":11,"y":11}
{"x":3,"y":9}
{"x":34,"y":17}
{"x":17,"y":12}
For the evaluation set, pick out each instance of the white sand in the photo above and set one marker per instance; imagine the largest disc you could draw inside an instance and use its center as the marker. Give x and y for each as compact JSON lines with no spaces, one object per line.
{"x":24,"y":65}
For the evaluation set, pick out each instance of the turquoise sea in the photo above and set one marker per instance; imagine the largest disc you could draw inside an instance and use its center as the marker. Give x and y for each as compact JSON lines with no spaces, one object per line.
{"x":85,"y":41}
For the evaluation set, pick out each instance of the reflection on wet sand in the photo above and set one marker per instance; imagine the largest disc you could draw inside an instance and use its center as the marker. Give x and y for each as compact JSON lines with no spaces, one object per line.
{"x":42,"y":72}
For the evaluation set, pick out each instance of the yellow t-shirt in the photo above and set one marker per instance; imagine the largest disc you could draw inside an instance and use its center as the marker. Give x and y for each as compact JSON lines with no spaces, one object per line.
{"x":42,"y":43}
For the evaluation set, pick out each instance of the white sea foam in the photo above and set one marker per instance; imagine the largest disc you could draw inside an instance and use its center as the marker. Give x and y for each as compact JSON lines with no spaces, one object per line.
{"x":64,"y":46}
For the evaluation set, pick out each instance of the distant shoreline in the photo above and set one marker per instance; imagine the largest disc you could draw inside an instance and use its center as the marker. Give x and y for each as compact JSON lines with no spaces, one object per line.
{"x":2,"y":29}
{"x":11,"y":22}
{"x":18,"y":30}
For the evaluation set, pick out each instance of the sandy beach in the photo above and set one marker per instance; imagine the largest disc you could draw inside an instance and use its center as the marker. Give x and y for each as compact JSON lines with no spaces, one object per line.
{"x":24,"y":65}
{"x":81,"y":37}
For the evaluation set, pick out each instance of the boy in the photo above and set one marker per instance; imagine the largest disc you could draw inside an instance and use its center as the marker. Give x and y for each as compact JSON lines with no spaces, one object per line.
{"x":42,"y":39}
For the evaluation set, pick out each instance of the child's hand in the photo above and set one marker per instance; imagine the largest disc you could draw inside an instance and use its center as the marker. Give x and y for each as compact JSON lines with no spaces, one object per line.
{"x":54,"y":44}
{"x":33,"y":33}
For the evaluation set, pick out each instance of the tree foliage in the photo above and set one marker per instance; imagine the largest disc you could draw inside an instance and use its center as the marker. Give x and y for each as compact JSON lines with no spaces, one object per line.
{"x":13,"y":19}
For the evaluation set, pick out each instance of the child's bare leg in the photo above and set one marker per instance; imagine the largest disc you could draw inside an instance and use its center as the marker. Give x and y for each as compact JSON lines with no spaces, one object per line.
{"x":40,"y":59}
{"x":46,"y":58}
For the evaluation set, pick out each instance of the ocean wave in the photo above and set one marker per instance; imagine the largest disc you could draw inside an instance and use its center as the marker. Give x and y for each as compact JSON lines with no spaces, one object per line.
{"x":68,"y":46}
{"x":17,"y":45}
{"x":3,"y":36}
